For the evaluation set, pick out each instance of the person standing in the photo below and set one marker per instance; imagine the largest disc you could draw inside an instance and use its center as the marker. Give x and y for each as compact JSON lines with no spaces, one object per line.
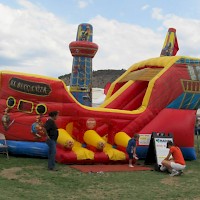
{"x":176,"y":164}
{"x":131,"y":149}
{"x":52,"y":135}
{"x":197,"y":131}
{"x":197,"y":125}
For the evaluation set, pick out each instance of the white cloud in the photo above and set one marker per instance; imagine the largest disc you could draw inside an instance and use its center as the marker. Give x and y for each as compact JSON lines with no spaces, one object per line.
{"x":188,"y":34}
{"x":121,"y":45}
{"x":157,"y":14}
{"x":82,"y":4}
{"x":27,"y":4}
{"x":34,"y":40}
{"x":145,"y":7}
{"x":187,"y":31}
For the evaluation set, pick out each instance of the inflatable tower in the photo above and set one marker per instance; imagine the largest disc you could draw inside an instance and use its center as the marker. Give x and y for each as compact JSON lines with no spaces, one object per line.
{"x":83,"y":50}
{"x":170,"y":46}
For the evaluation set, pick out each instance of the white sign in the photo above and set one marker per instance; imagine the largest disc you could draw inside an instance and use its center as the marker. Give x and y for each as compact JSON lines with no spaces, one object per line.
{"x":161,"y":148}
{"x":144,"y":139}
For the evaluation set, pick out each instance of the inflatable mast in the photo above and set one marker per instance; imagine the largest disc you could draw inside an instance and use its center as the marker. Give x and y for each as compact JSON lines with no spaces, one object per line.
{"x":83,"y":50}
{"x":170,"y":46}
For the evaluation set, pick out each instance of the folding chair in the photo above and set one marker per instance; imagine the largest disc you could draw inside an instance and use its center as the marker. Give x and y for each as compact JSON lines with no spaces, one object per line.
{"x":3,"y":145}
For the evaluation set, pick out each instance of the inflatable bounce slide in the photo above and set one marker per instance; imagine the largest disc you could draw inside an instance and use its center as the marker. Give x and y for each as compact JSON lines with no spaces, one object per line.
{"x":155,"y":95}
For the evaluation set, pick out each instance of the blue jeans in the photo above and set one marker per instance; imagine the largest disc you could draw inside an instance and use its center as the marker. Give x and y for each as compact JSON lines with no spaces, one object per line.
{"x":51,"y":153}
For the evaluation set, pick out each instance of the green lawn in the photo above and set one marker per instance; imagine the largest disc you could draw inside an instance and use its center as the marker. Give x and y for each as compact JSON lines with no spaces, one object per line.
{"x":27,"y":178}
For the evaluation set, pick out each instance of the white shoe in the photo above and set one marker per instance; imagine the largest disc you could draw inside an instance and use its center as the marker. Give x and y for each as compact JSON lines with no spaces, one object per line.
{"x":163,"y":168}
{"x":175,"y":173}
{"x":130,"y":165}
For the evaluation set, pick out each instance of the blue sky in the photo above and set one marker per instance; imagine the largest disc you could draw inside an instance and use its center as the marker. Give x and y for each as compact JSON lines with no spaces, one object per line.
{"x":36,"y":33}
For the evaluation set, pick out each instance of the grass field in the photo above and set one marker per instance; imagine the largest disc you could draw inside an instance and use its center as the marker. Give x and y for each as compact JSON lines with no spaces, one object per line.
{"x":27,"y":178}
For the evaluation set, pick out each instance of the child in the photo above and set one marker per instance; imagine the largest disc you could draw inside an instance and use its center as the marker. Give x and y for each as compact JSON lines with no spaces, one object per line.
{"x":131,"y":149}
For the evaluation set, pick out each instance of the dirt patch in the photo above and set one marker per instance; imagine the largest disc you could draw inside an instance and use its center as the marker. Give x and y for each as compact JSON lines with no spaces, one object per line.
{"x":15,"y":173}
{"x":11,"y":173}
{"x":172,"y":181}
{"x":188,"y":172}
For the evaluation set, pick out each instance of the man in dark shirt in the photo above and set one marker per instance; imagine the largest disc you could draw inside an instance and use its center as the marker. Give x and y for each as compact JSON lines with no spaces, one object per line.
{"x":52,"y":135}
